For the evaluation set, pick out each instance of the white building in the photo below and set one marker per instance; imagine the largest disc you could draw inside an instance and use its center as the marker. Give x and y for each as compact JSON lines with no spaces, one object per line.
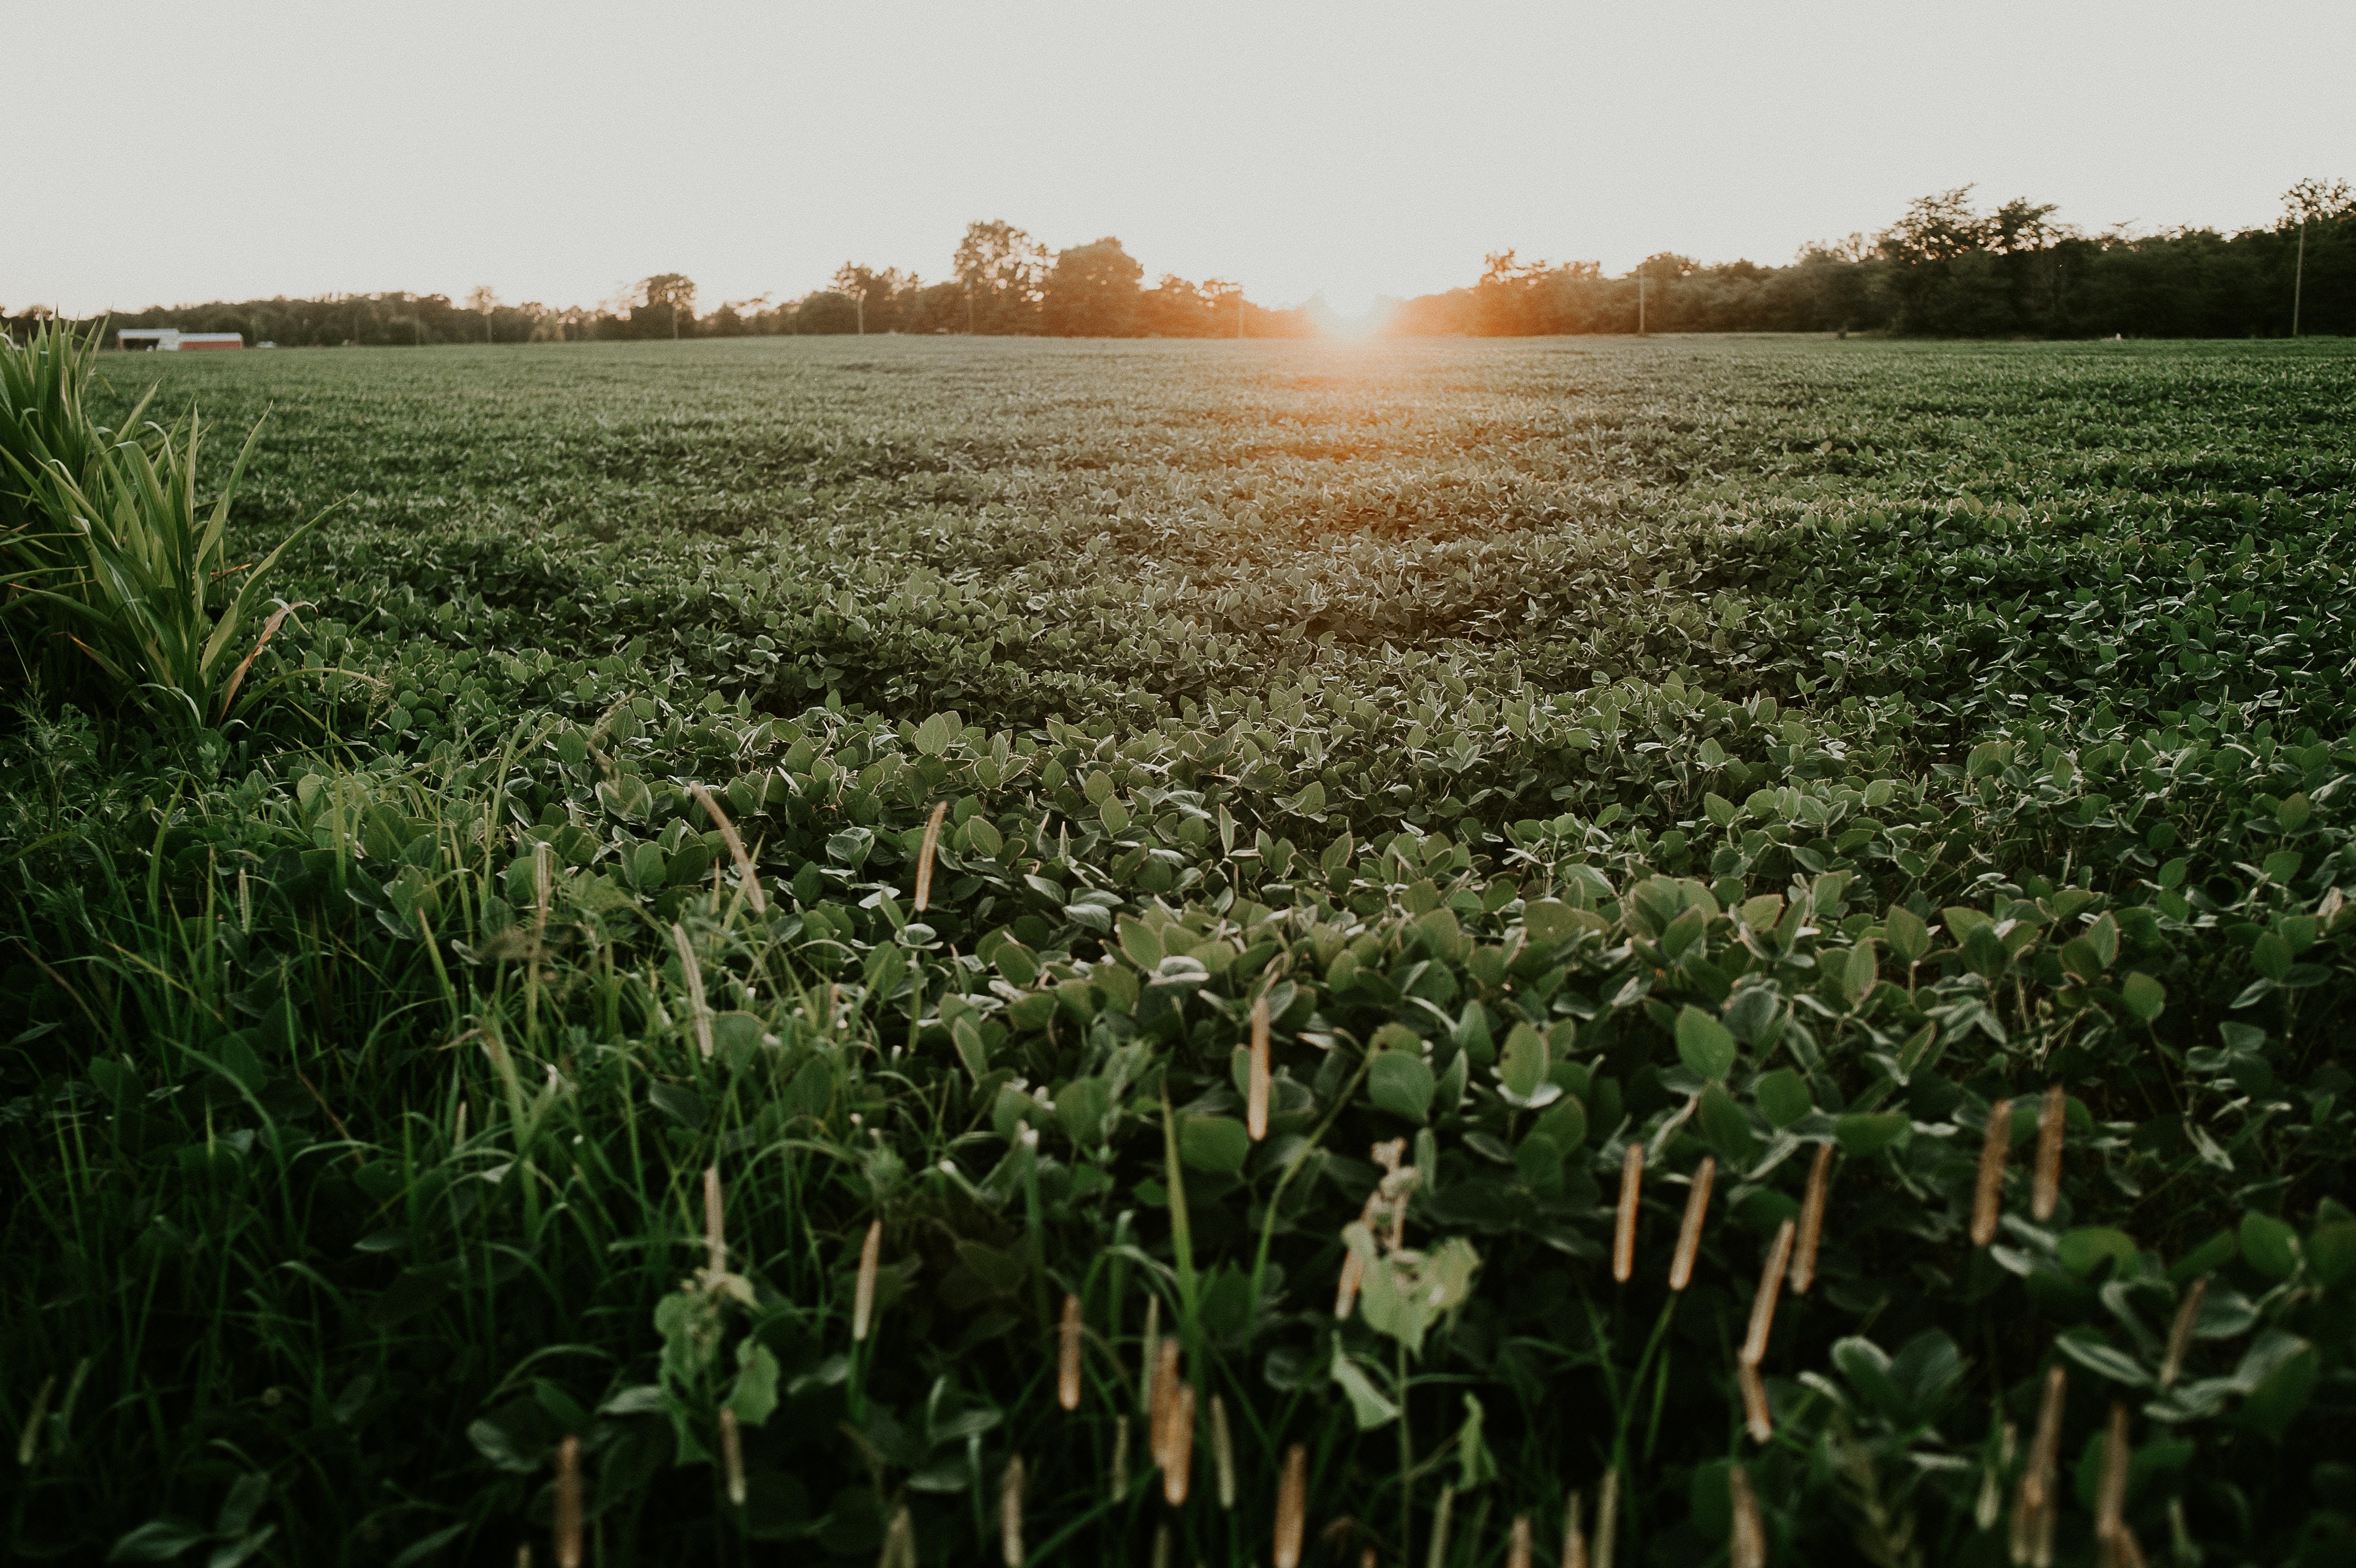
{"x":172,"y":340}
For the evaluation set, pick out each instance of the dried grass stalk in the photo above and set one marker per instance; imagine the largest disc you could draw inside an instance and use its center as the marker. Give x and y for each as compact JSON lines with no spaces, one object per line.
{"x":1607,"y":1518}
{"x":1292,"y":1506}
{"x":1762,"y":1304}
{"x":1120,"y":1458}
{"x":1148,"y":1349}
{"x":1987,"y":1199}
{"x":2180,"y":1332}
{"x":698,"y":1008}
{"x":2053,"y":1116}
{"x":1689,"y":1233}
{"x":863,"y":1297}
{"x":1255,"y":1099}
{"x":1623,"y":1237}
{"x":925,"y":856}
{"x":1517,"y":1542}
{"x":1345,"y":1294}
{"x":728,"y":836}
{"x":715,"y":1223}
{"x":1442,"y":1517}
{"x":1067,"y":1355}
{"x":1812,"y":1221}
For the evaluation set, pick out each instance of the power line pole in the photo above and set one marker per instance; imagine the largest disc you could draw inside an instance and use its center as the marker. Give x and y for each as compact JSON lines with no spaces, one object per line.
{"x":2298,"y":277}
{"x":1639,"y":300}
{"x":1240,"y":315}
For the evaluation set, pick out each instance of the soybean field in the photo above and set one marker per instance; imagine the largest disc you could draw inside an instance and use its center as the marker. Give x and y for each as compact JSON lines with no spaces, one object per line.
{"x":929,"y":951}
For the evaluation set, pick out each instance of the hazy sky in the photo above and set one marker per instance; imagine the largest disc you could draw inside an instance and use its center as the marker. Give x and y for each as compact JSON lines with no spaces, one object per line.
{"x":169,"y":153}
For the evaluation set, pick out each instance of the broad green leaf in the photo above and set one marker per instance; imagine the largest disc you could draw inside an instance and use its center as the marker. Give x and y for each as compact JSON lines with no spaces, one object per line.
{"x":1401,"y":1083}
{"x":1522,"y":1069}
{"x":1782,"y":1095}
{"x":2270,"y":1246}
{"x":2083,"y":1251}
{"x":1218,"y":1144}
{"x":1703,"y":1043}
{"x":1725,"y":1127}
{"x":1368,"y":1404}
{"x":1863,"y":1134}
{"x":2143,"y":997}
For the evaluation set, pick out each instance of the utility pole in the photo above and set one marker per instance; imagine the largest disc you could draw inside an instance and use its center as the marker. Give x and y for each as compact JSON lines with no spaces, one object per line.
{"x":2298,"y":278}
{"x":861,"y":300}
{"x":1639,"y":300}
{"x":1239,"y":314}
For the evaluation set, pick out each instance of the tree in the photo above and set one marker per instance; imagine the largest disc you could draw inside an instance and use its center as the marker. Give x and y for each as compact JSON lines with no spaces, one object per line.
{"x":1935,"y":228}
{"x":1002,"y":270}
{"x":665,"y":303}
{"x":483,"y":302}
{"x":1093,"y":291}
{"x":2317,"y":200}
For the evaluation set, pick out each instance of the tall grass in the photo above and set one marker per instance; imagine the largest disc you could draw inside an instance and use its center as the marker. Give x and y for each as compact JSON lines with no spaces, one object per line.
{"x":110,"y":549}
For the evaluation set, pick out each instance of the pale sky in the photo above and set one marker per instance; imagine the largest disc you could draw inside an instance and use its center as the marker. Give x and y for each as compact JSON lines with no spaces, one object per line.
{"x":165,"y":153}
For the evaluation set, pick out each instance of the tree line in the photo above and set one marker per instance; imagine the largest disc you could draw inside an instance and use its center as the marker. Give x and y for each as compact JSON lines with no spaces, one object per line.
{"x":1002,"y":283}
{"x":1945,"y":268}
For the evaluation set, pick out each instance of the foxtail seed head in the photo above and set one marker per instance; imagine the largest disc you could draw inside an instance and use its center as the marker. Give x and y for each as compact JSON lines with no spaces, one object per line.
{"x":1574,"y":1537}
{"x":1518,"y":1543}
{"x":1762,"y":1304}
{"x":699,"y":1009}
{"x":1987,"y":1198}
{"x":1165,"y":1399}
{"x":1812,"y":1221}
{"x":2052,"y":1117}
{"x":1292,"y":1506}
{"x":1255,"y":1099}
{"x":1010,"y":1513}
{"x":745,"y":871}
{"x":1067,"y":1355}
{"x":1223,"y":1454}
{"x":1748,"y":1548}
{"x":2111,"y":1497}
{"x":732,"y":1455}
{"x":1689,"y":1233}
{"x":1623,"y":1236}
{"x":1148,"y":1352}
{"x":2033,"y":1510}
{"x":1757,"y":1418}
{"x":715,"y":1223}
{"x":863,"y":1294}
{"x":2180,"y":1332}
{"x":1178,"y":1445}
{"x":925,"y":856}
{"x":1607,"y":1518}
{"x":566,"y":1526}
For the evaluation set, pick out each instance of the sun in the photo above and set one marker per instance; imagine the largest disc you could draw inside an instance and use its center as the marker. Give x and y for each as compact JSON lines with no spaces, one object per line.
{"x":1344,"y":311}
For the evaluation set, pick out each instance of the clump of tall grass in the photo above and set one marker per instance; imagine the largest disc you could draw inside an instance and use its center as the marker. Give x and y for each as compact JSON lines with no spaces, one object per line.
{"x":105,"y":545}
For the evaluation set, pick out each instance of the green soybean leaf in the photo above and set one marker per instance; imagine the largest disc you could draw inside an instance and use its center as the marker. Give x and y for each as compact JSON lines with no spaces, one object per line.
{"x":1703,"y":1043}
